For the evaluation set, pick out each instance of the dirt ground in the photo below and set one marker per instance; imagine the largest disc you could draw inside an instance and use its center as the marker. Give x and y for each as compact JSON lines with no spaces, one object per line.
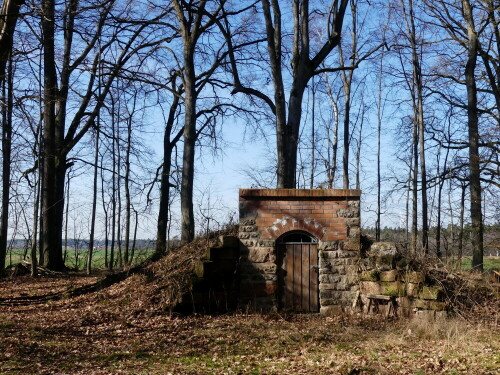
{"x":44,"y":329}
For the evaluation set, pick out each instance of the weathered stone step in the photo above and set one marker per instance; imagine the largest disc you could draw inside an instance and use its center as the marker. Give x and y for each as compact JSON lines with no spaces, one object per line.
{"x":211,"y":270}
{"x":228,"y":241}
{"x":223,"y":253}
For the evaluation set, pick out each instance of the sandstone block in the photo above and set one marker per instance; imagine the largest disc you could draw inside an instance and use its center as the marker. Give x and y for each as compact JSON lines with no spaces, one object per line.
{"x":351,"y":269}
{"x":329,"y":278}
{"x":430,"y":292}
{"x":326,"y":301}
{"x":248,"y":228}
{"x":351,"y":222}
{"x":383,"y":248}
{"x":328,"y":245}
{"x":404,"y":306}
{"x":266,"y":243}
{"x":437,"y":305}
{"x":370,"y":287}
{"x":413,"y":277}
{"x":421,"y":304}
{"x":348,"y":212}
{"x":329,"y":294}
{"x":247,"y":221}
{"x":331,"y":310}
{"x":353,"y":232}
{"x":353,"y":244}
{"x":324,"y":286}
{"x":394,"y":288}
{"x":391,"y":275}
{"x":412,"y":289}
{"x":261,"y":254}
{"x":370,"y":275}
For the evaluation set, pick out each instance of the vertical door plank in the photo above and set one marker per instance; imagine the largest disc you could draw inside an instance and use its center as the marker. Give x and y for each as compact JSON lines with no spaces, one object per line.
{"x":314,"y":278}
{"x":305,"y":277}
{"x":297,"y":282}
{"x":288,"y":303}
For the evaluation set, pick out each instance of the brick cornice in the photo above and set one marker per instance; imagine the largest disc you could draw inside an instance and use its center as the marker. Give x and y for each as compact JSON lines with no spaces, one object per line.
{"x":296,"y":193}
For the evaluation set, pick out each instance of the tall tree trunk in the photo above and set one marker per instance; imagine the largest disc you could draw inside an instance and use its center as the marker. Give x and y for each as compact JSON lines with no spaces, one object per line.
{"x":94,"y":200}
{"x":313,"y":136}
{"x":414,"y":222}
{"x":126,"y":183}
{"x":111,"y":263}
{"x":119,"y":185}
{"x":9,"y":15}
{"x":474,"y":158}
{"x":379,"y":136}
{"x":187,"y":234}
{"x":418,"y":111}
{"x":106,"y":217}
{"x":163,"y":211}
{"x":54,"y":167}
{"x":331,"y":163}
{"x":7,"y":108}
{"x":347,"y":84}
{"x":461,"y":226}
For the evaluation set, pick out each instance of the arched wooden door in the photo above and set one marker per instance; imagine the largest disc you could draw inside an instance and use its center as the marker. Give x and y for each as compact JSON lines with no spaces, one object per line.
{"x":298,"y":272}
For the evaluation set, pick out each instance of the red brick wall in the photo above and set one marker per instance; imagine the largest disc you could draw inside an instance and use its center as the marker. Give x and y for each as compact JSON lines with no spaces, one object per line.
{"x":276,"y":211}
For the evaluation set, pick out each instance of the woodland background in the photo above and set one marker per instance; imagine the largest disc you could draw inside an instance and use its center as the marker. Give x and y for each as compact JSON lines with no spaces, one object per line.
{"x":111,"y":108}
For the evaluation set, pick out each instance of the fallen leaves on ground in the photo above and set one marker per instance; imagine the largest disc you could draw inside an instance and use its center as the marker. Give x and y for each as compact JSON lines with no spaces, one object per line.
{"x":92,"y":334}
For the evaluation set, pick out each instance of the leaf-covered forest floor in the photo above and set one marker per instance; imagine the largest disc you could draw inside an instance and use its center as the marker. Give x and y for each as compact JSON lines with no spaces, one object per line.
{"x":123,"y":324}
{"x":98,"y":333}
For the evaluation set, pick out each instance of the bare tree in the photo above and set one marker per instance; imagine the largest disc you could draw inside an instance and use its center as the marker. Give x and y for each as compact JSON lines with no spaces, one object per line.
{"x":304,"y":63}
{"x":465,"y":27}
{"x":8,"y":18}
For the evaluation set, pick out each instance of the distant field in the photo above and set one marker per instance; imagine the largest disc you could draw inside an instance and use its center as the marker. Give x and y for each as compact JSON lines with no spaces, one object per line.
{"x":489,"y":263}
{"x":77,"y":259}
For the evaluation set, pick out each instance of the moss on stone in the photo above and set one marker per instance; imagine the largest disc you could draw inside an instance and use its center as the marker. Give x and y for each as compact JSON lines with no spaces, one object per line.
{"x":371,"y":275}
{"x":395,"y":289}
{"x":430,"y":292}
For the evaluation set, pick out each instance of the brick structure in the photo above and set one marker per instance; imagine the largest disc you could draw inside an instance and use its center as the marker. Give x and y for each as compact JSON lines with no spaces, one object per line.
{"x":330,"y":216}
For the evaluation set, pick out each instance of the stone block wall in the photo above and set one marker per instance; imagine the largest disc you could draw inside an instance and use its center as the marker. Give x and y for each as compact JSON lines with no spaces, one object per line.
{"x":384,"y":271}
{"x":332,"y":216}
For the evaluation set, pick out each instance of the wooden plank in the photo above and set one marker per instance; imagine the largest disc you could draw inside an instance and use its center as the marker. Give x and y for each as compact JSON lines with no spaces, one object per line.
{"x":306,"y":279}
{"x":313,"y":288}
{"x":288,"y":303}
{"x":297,"y":277}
